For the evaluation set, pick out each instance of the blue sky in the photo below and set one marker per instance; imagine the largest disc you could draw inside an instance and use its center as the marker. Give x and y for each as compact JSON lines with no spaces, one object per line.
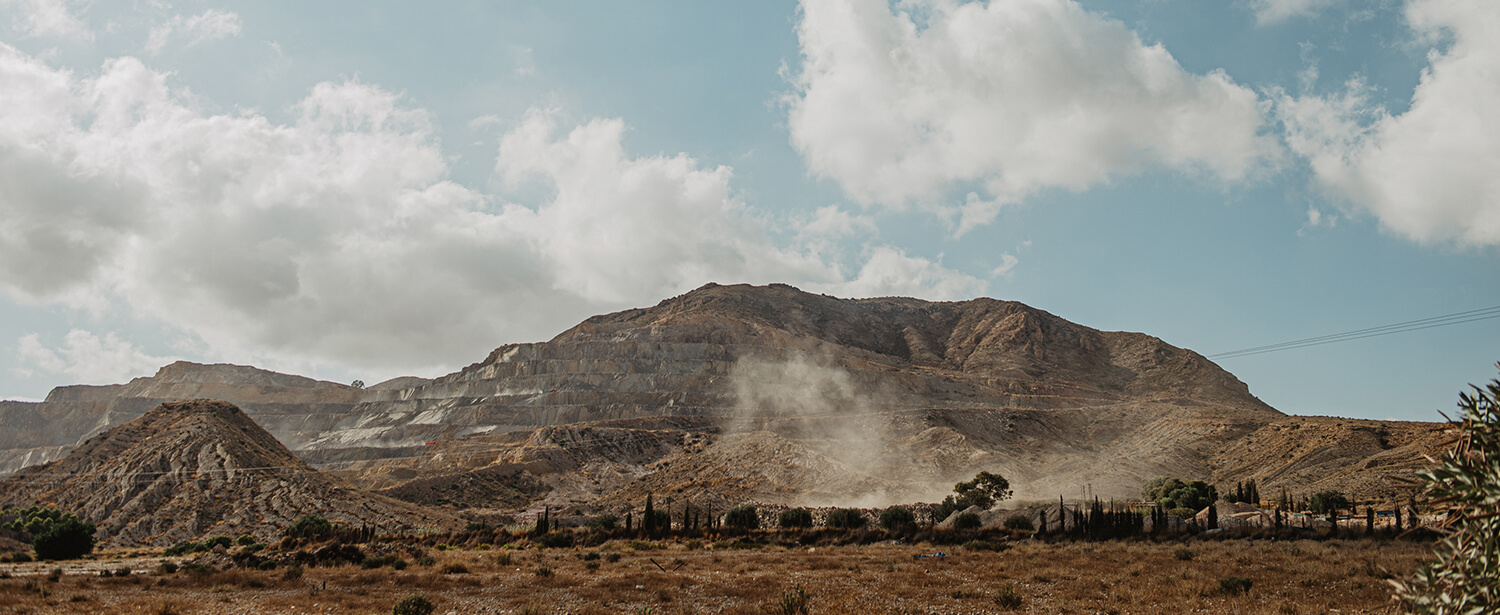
{"x":364,"y":189}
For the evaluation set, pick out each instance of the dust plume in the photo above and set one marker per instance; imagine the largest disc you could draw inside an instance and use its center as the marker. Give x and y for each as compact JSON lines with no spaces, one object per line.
{"x":840,"y":424}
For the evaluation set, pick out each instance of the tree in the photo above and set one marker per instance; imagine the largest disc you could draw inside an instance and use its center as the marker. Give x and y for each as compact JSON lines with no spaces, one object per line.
{"x":1463,"y":487}
{"x":743,"y":518}
{"x":983,"y":491}
{"x":795,"y":518}
{"x":1329,"y":502}
{"x":1173,"y":493}
{"x":358,"y":384}
{"x":65,"y":539}
{"x":897,"y":517}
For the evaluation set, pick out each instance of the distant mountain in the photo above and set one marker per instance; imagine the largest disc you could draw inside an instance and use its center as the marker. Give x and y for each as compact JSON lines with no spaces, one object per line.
{"x":768,"y":393}
{"x":191,"y":469}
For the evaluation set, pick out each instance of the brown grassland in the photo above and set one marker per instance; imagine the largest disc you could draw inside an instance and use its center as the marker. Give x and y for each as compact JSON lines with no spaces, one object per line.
{"x":1285,"y":576}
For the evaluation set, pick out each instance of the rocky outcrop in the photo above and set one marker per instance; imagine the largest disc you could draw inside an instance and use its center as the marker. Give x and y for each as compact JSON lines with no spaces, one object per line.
{"x":186,"y":470}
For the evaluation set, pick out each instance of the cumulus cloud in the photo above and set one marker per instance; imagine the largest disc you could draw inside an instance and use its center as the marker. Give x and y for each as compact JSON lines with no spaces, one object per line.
{"x":46,"y":18}
{"x":891,"y":272}
{"x":211,"y":25}
{"x":1277,"y":11}
{"x":88,"y":358}
{"x":1011,"y":97}
{"x":337,"y":237}
{"x":1432,"y":173}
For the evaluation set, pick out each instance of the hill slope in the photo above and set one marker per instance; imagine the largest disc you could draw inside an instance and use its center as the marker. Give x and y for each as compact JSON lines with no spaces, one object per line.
{"x":189,"y":469}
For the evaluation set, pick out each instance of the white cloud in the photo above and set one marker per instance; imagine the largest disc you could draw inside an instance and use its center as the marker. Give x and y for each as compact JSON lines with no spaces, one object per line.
{"x":1277,"y":11}
{"x":890,"y":272}
{"x":338,"y":237}
{"x":88,"y":358}
{"x":47,"y":18}
{"x":1007,"y":263}
{"x":1013,"y":96}
{"x":1432,"y":173}
{"x":211,"y":25}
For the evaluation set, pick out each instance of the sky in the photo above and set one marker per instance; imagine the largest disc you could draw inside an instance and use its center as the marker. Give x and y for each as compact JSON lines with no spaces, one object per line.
{"x":360,"y":190}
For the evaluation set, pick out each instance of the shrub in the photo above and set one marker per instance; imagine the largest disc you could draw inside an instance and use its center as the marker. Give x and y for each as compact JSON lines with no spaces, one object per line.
{"x":555,"y":540}
{"x":967,"y":521}
{"x":504,"y":559}
{"x":426,"y":560}
{"x":218,"y":541}
{"x":455,"y":568}
{"x":55,"y":575}
{"x":845,"y":519}
{"x":1464,"y":485}
{"x":793,"y":602}
{"x":986,"y":545}
{"x":743,"y":518}
{"x":166,"y":567}
{"x":1020,"y":523}
{"x":1231,"y":586}
{"x":398,"y":564}
{"x":292,"y":572}
{"x":897,"y":517}
{"x":604,"y":523}
{"x":66,"y":539}
{"x":245,"y":540}
{"x":1007,"y":598}
{"x":612,"y":558}
{"x":414,"y":604}
{"x":1185,"y":554}
{"x":180,"y":548}
{"x":795,"y":518}
{"x":311,"y":527}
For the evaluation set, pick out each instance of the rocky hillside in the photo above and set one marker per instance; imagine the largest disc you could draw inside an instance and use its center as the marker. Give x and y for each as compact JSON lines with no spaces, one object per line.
{"x":732,"y":393}
{"x":186,"y":470}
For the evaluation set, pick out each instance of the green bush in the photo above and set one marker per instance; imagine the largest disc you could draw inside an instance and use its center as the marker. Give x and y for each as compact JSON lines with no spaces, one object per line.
{"x":65,"y":539}
{"x":1463,"y":487}
{"x":414,"y":604}
{"x":1020,"y":523}
{"x":983,"y":491}
{"x":897,"y":517}
{"x":245,"y":540}
{"x":555,"y":540}
{"x":218,"y":541}
{"x":846,"y":519}
{"x":743,"y":518}
{"x":604,"y":522}
{"x":1329,"y":502}
{"x":795,"y":518}
{"x":311,"y":527}
{"x":967,"y":521}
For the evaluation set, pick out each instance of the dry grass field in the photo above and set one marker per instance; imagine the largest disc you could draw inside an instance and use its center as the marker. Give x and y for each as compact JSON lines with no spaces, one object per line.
{"x":1285,"y":577}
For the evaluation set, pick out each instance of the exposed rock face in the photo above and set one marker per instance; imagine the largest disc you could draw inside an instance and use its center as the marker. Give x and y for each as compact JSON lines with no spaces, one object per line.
{"x":730,"y":393}
{"x":186,"y":470}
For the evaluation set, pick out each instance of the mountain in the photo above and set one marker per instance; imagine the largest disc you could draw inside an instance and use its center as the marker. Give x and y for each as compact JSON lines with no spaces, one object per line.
{"x":735,"y":393}
{"x":185,"y":470}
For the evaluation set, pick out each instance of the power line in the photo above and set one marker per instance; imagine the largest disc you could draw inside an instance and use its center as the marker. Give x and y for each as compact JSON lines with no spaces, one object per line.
{"x":1400,"y":327}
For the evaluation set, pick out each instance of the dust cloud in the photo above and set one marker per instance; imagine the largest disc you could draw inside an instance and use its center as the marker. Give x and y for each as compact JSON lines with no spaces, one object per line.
{"x":844,"y":423}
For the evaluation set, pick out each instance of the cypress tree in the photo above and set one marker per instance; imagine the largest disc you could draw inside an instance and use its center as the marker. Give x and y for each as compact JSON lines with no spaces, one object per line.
{"x":1213,"y":516}
{"x":648,"y":519}
{"x":1370,"y":519}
